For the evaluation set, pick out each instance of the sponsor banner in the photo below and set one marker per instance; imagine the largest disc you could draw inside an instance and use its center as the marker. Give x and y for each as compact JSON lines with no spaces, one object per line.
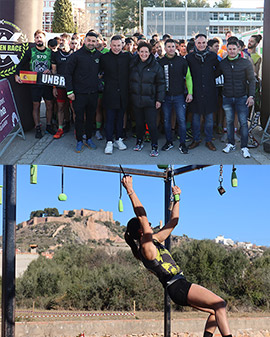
{"x":49,"y":79}
{"x":13,"y":45}
{"x":8,"y":113}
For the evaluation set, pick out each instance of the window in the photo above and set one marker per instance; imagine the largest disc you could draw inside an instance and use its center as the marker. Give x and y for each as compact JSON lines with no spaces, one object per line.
{"x":214,"y":30}
{"x":179,"y":16}
{"x":258,"y":16}
{"x":221,"y":16}
{"x":169,"y":15}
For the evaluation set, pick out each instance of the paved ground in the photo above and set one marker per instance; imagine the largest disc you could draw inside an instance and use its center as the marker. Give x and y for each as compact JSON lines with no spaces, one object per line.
{"x":48,"y":151}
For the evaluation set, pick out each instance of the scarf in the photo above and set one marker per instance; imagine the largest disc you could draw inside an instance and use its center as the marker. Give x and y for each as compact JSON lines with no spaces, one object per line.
{"x":201,"y":55}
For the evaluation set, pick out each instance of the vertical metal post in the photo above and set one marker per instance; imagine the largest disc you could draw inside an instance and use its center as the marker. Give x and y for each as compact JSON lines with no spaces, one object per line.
{"x":167,"y":300}
{"x":186,"y":20}
{"x":140,"y":16}
{"x":266,"y":65}
{"x":163,"y":18}
{"x":8,"y":264}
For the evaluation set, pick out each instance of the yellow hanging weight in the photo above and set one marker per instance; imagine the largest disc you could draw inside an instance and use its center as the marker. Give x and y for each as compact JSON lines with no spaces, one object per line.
{"x":33,"y":174}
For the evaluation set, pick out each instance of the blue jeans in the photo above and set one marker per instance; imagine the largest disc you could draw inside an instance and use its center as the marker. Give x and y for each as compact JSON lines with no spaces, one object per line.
{"x":114,"y":121}
{"x":238,"y":104}
{"x":208,"y":127}
{"x":179,"y":104}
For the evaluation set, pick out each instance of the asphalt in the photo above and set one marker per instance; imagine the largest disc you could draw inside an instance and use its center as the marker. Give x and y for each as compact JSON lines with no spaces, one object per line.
{"x":48,"y":151}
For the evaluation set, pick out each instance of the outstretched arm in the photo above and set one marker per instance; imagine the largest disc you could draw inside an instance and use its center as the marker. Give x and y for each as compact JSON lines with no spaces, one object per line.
{"x":168,"y":228}
{"x":149,"y":249}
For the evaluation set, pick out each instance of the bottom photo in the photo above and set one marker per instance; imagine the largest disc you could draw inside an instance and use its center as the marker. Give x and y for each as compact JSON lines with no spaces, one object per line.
{"x":135,"y":250}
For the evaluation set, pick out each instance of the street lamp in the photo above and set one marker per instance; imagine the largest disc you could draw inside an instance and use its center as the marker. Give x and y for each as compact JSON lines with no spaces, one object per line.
{"x":156,"y":19}
{"x":207,"y":32}
{"x":163,"y":17}
{"x":140,"y":16}
{"x":186,"y":20}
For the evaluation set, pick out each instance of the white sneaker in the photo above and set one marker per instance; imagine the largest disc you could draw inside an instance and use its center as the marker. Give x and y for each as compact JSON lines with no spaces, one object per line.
{"x":109,"y":148}
{"x":120,"y":144}
{"x":245,"y":152}
{"x":99,"y":135}
{"x":229,"y":148}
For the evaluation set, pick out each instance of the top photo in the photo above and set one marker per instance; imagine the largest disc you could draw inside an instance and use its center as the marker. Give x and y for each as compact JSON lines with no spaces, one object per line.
{"x":86,"y":82}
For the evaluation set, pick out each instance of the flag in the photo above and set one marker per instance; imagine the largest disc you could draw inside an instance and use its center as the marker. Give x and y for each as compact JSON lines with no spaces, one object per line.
{"x":29,"y":77}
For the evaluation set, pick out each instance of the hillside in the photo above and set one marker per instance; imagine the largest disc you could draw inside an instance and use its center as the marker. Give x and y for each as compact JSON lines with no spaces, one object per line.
{"x":46,"y":233}
{"x":83,"y":227}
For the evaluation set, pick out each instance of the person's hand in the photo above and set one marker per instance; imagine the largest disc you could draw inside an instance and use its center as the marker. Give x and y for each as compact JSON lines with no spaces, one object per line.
{"x":71,"y":97}
{"x":158,"y":104}
{"x":250,"y":101}
{"x":176,"y":190}
{"x":55,"y":93}
{"x":189,"y":98}
{"x":47,"y":71}
{"x":18,"y":79}
{"x":127,"y":183}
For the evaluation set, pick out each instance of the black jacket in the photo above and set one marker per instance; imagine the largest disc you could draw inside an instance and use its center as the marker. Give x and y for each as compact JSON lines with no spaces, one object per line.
{"x":146,"y":82}
{"x":239,"y":79}
{"x":204,"y":84}
{"x":175,"y":70}
{"x":82,"y":71}
{"x":116,"y":70}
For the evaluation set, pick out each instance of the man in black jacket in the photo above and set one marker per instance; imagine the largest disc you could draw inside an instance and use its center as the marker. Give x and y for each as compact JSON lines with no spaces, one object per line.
{"x":82,"y":87}
{"x":115,"y":68}
{"x":202,"y":64}
{"x":177,"y":78}
{"x":238,"y":94}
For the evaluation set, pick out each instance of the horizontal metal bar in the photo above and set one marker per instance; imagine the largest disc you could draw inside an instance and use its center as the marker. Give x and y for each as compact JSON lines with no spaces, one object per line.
{"x":189,"y":168}
{"x":116,"y":169}
{"x":132,"y":171}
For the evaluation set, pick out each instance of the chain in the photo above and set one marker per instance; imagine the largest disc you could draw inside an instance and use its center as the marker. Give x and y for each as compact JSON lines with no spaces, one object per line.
{"x":220,"y":174}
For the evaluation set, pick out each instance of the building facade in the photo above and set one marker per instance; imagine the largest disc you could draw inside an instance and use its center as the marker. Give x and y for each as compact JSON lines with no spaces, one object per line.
{"x":99,"y":16}
{"x":210,"y":21}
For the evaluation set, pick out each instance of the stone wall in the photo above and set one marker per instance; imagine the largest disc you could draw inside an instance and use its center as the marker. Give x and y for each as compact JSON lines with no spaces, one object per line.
{"x":241,"y":327}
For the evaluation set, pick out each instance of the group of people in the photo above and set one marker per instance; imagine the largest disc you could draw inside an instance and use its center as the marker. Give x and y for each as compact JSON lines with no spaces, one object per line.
{"x":147,"y":82}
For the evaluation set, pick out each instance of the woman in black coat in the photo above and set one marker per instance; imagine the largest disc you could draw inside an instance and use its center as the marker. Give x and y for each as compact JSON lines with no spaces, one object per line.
{"x":147,"y":90}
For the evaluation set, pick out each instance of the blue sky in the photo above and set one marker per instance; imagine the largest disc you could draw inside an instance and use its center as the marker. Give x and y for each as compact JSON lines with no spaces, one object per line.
{"x":241,"y":214}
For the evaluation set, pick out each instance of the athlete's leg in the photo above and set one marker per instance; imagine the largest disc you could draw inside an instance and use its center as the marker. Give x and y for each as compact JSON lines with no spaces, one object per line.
{"x":203,"y":298}
{"x":36,"y":113}
{"x":49,"y":110}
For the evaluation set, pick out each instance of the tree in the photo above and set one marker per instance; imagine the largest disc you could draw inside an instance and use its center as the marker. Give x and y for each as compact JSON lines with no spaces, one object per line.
{"x":63,"y":18}
{"x":198,"y":3}
{"x":223,"y":4}
{"x":71,"y":214}
{"x":51,"y":212}
{"x":126,"y":15}
{"x":38,"y":214}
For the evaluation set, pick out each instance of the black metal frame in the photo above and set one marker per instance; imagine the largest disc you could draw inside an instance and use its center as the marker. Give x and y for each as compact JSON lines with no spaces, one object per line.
{"x":9,"y":227}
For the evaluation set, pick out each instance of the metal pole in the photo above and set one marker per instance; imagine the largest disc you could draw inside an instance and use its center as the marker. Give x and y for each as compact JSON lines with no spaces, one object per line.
{"x":140,"y":16}
{"x":186,"y":21}
{"x":266,"y":66}
{"x":163,"y":17}
{"x":8,"y":263}
{"x":167,"y":300}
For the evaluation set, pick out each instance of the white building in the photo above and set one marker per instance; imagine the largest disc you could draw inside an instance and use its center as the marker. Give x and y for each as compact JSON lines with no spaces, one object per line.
{"x":223,"y":241}
{"x":210,"y":21}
